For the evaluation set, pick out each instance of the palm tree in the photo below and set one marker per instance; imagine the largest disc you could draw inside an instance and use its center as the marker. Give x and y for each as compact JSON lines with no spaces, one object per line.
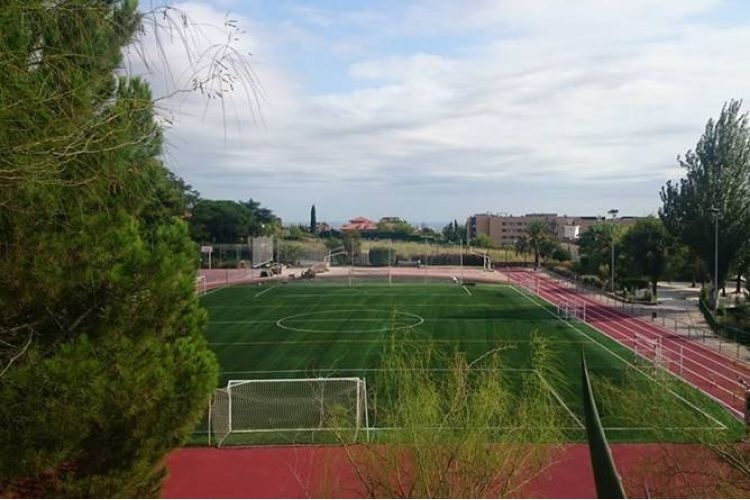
{"x":521,"y":246}
{"x":536,"y":233}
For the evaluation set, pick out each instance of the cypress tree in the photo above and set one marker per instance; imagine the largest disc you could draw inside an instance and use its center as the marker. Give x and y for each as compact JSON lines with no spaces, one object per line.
{"x":313,"y":221}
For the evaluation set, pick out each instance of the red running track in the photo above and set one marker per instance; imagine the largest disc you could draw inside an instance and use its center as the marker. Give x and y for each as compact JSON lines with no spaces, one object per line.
{"x":712,"y":372}
{"x":659,"y":471}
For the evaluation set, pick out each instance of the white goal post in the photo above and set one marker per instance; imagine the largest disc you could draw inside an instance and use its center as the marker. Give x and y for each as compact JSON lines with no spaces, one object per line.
{"x":304,"y":405}
{"x":486,"y":260}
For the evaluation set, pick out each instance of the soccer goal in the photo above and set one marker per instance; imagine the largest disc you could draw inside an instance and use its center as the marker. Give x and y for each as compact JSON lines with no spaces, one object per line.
{"x":486,"y":260}
{"x":292,"y":407}
{"x":262,"y":247}
{"x":370,"y":276}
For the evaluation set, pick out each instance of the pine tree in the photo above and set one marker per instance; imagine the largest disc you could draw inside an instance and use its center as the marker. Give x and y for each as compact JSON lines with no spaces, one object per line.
{"x":103,"y":365}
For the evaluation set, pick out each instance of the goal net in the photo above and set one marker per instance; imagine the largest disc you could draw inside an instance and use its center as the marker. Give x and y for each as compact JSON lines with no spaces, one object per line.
{"x":370,"y":276}
{"x":262,"y":247}
{"x":296,"y":409}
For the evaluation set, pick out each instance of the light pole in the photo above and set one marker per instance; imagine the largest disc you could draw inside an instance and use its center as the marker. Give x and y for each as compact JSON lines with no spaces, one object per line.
{"x":461,"y":257}
{"x":613,"y":213}
{"x":715,"y":212}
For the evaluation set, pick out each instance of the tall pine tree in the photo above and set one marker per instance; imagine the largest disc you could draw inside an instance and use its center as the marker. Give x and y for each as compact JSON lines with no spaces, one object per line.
{"x":103,"y":365}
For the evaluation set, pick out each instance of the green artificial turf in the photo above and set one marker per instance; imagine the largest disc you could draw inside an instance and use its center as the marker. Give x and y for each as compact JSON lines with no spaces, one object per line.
{"x":323,"y":328}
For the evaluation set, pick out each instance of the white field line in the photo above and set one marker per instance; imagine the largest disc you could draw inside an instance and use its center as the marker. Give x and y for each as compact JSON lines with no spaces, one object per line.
{"x":466,"y":290}
{"x":378,"y":340}
{"x":560,"y":400}
{"x":623,"y":429}
{"x":264,"y":291}
{"x":332,"y":320}
{"x":213,"y":290}
{"x":450,"y":428}
{"x":303,"y":320}
{"x":371,"y":370}
{"x":439,"y":305}
{"x":627,"y":363}
{"x":241,"y":322}
{"x":343,"y":341}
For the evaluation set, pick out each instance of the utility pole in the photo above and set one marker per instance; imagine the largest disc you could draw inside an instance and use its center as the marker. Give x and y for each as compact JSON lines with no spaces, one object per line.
{"x":716,"y":213}
{"x":613,"y":212}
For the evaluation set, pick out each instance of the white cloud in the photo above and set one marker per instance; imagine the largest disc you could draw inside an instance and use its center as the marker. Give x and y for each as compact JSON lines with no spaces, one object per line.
{"x":547,"y":99}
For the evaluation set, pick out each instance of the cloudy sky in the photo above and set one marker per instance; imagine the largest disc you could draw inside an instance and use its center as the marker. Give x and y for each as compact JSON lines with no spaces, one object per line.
{"x":433,"y":110}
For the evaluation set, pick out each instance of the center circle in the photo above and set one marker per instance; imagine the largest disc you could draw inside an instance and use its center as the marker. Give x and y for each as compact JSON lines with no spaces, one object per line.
{"x":329,"y":317}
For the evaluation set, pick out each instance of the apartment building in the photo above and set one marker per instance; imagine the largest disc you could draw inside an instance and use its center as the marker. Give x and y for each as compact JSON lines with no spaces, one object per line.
{"x":505,"y":229}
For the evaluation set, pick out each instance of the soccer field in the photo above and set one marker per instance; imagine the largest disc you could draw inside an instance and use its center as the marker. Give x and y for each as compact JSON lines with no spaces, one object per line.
{"x":325,"y":328}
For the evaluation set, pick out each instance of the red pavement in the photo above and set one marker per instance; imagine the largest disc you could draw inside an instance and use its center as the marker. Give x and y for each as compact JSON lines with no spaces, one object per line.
{"x":316,"y":471}
{"x":323,"y":471}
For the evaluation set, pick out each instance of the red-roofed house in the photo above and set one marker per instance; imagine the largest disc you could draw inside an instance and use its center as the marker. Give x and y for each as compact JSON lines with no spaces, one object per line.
{"x":359,"y":224}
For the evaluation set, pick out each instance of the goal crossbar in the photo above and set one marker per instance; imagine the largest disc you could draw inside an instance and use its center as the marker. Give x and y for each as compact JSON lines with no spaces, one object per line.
{"x":235,"y":383}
